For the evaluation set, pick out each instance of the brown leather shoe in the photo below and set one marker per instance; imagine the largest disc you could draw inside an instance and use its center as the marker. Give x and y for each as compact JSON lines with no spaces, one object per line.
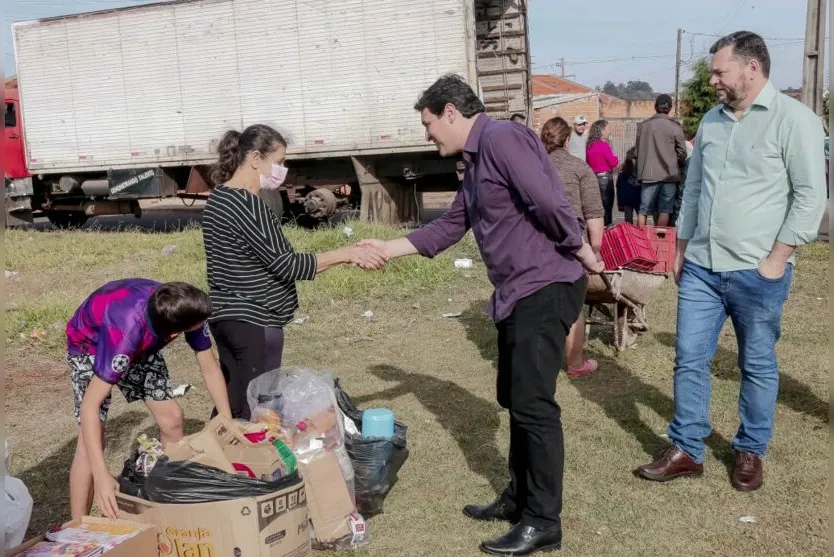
{"x":673,"y":464}
{"x":748,"y":472}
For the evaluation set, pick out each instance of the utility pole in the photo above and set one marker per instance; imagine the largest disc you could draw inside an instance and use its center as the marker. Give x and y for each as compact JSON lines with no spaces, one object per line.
{"x":562,"y":66}
{"x":678,"y":75}
{"x":813,"y":69}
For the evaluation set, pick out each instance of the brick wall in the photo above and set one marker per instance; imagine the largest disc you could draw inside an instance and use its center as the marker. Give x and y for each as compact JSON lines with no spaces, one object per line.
{"x":613,"y":109}
{"x":588,"y":107}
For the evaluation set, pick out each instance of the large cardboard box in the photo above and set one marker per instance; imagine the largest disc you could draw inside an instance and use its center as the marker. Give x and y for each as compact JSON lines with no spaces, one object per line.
{"x":222,"y":444}
{"x":274,"y":525}
{"x":142,"y":544}
{"x":328,"y":499}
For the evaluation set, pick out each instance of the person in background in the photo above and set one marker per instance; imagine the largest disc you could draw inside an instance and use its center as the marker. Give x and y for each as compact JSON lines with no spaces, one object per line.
{"x":579,"y":137}
{"x":534,"y":250}
{"x":628,"y":190}
{"x":755,"y":191}
{"x":252,"y":268}
{"x":114,"y":339}
{"x":603,"y":161}
{"x":582,"y":191}
{"x":661,"y":152}
{"x":673,"y":218}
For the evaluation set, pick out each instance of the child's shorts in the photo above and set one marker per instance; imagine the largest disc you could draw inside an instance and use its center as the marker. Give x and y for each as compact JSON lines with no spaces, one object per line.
{"x":146,"y":379}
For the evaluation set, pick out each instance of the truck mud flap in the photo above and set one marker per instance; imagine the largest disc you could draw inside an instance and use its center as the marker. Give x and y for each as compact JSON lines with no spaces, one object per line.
{"x":135,"y":183}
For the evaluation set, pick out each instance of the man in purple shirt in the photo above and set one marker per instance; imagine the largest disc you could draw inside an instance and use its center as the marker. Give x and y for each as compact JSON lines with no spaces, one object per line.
{"x":534,"y":249}
{"x":114,"y":339}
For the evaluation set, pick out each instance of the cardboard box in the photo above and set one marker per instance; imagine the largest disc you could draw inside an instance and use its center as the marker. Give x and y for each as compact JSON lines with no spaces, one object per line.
{"x":222,"y":444}
{"x":142,"y":544}
{"x":274,"y":525}
{"x":328,"y":499}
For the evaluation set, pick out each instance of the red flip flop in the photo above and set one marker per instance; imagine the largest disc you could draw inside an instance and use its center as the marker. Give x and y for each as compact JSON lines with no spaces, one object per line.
{"x":587,"y":368}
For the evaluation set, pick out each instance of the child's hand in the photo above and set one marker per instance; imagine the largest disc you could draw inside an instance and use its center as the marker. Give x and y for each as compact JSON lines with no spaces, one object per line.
{"x":106,"y":487}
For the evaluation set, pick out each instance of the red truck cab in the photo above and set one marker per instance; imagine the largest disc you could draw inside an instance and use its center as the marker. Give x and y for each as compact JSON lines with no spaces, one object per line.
{"x":14,"y":153}
{"x":17,"y":186}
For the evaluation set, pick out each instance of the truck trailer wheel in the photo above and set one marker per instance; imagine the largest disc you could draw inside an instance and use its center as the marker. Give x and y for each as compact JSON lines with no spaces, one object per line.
{"x":67,"y":219}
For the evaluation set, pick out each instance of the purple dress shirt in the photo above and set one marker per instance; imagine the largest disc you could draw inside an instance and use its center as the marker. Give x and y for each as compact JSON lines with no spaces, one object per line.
{"x":515,"y":204}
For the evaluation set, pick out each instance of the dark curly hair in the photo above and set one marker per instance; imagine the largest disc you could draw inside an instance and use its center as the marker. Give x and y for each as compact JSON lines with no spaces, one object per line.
{"x":234,"y":146}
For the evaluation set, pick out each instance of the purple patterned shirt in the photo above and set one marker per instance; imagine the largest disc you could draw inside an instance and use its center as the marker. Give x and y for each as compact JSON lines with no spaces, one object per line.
{"x":112,"y":325}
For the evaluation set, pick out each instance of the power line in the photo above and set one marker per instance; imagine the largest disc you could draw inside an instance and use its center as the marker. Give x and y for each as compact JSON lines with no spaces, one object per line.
{"x":581,"y":62}
{"x":730,"y":14}
{"x":778,"y":39}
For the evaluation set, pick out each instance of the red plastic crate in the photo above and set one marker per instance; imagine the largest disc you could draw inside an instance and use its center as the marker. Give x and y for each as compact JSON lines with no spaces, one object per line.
{"x":664,"y":241}
{"x":627,"y":246}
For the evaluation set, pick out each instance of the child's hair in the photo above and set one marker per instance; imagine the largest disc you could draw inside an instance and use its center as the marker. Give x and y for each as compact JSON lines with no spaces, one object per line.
{"x":176,"y":307}
{"x":629,"y":165}
{"x":234,"y":146}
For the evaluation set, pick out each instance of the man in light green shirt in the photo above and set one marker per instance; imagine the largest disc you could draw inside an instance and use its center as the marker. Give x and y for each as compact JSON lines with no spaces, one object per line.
{"x":755,"y":190}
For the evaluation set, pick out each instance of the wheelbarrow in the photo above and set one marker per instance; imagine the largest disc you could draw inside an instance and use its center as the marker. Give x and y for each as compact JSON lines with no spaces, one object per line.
{"x":628,"y":292}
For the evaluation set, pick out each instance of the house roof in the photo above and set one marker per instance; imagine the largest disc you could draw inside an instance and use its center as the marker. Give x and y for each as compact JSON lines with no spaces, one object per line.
{"x":544,"y":101}
{"x":553,"y":85}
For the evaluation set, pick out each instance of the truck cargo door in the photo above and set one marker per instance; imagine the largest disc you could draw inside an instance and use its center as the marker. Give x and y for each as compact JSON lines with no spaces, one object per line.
{"x":503,"y":57}
{"x":13,"y":146}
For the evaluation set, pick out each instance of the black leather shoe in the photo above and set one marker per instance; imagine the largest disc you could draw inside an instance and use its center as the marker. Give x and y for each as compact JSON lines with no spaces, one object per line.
{"x":497,"y":510}
{"x":524,"y":540}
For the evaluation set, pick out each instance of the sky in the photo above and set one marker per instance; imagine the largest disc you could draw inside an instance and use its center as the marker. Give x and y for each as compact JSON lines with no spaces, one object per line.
{"x":600,"y":40}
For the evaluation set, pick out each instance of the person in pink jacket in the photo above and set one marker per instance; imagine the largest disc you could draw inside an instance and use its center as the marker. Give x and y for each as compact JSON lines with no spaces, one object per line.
{"x":603,"y":161}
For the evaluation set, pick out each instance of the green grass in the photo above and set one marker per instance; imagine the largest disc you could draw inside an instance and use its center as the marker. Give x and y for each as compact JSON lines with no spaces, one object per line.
{"x":438,"y":375}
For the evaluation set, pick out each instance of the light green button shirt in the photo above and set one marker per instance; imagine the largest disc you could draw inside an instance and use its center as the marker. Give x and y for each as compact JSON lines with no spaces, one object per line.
{"x":753,"y":181}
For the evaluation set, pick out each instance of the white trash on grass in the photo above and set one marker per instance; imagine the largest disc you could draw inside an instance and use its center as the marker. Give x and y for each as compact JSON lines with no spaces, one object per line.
{"x":463,"y":263}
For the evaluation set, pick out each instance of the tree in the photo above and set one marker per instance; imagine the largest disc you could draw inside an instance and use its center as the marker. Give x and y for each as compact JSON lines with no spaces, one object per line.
{"x":611,"y":89}
{"x":697,"y":97}
{"x":631,"y":91}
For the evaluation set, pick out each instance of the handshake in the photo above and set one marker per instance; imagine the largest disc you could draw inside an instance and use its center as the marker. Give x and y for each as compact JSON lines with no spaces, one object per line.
{"x":374,"y":254}
{"x":370,"y":255}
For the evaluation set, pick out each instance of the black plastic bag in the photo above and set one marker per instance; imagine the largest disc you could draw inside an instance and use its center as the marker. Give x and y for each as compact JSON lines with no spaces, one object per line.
{"x":184,"y":482}
{"x":375,"y":461}
{"x":132,"y":482}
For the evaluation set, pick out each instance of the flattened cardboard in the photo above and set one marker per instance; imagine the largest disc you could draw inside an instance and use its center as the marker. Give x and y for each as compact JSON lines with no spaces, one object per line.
{"x":274,"y":525}
{"x":221,"y":444}
{"x":143,"y":543}
{"x":328,"y":499}
{"x":201,"y":448}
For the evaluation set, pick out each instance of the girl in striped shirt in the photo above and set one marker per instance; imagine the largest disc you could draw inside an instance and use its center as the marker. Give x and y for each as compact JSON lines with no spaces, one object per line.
{"x":251,"y":266}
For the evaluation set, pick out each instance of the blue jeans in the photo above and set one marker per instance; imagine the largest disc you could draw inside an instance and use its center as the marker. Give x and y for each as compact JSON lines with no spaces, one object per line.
{"x":754,"y":304}
{"x":658,"y":197}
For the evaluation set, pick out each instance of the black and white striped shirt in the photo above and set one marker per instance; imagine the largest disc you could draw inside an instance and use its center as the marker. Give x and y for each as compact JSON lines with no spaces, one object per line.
{"x":251,"y":266}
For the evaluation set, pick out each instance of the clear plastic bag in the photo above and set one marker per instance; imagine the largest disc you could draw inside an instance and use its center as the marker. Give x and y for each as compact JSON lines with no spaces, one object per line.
{"x":306,"y":404}
{"x":17,"y":507}
{"x":306,"y":407}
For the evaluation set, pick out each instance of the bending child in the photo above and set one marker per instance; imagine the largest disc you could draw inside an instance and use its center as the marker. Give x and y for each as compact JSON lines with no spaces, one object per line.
{"x":114,"y":339}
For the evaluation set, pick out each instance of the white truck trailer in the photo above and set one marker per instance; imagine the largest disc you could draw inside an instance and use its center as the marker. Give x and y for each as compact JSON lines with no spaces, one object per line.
{"x":120,"y":105}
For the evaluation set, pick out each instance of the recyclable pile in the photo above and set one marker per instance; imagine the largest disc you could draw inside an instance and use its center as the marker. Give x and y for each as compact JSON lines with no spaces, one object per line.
{"x":298,"y":475}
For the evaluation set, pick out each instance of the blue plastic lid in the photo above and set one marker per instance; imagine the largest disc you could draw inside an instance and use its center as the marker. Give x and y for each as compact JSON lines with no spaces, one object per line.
{"x":378,"y":422}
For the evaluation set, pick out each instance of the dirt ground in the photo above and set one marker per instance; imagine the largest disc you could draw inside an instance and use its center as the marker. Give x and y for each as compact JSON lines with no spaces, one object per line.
{"x":437,"y":374}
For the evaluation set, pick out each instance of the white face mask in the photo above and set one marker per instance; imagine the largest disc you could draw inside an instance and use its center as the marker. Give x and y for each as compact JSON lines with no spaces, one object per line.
{"x":275,"y":179}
